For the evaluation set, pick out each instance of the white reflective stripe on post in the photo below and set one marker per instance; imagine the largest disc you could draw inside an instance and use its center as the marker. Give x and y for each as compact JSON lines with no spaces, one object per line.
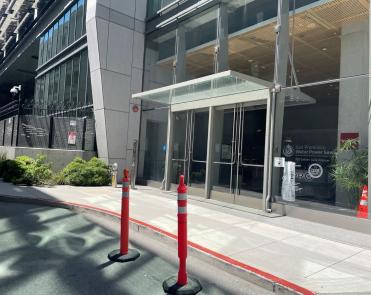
{"x":125,"y":194}
{"x":182,"y":197}
{"x":182,"y":210}
{"x":363,"y":203}
{"x":125,"y":183}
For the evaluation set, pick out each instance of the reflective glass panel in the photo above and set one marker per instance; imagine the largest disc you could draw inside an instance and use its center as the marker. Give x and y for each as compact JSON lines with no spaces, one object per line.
{"x":72,"y":29}
{"x":329,"y":39}
{"x":313,"y":139}
{"x":159,"y":59}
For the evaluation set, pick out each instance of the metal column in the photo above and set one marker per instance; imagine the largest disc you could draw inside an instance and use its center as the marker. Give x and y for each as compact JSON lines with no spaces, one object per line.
{"x":221,"y":47}
{"x":179,"y":75}
{"x":277,"y":104}
{"x":369,"y":117}
{"x":180,"y":58}
{"x":209,"y":155}
{"x":169,"y":150}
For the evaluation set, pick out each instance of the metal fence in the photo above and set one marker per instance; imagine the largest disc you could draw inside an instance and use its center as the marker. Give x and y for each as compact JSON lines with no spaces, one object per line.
{"x":61,"y":130}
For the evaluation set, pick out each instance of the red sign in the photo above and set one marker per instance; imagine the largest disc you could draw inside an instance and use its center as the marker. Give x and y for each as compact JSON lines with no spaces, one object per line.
{"x":349,"y":136}
{"x":135,"y":108}
{"x":72,"y":137}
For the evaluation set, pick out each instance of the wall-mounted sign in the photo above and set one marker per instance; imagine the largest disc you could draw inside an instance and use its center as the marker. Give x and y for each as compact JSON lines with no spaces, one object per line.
{"x":313,"y":160}
{"x":279,"y":162}
{"x":288,"y":182}
{"x":72,"y":137}
{"x":135,"y":108}
{"x":344,"y":136}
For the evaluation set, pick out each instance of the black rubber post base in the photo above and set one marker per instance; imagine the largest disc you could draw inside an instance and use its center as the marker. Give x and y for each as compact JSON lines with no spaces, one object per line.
{"x":171,"y":287}
{"x":117,"y":257}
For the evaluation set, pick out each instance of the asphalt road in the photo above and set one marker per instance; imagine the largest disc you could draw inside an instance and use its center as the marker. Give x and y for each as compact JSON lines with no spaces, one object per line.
{"x":55,"y":251}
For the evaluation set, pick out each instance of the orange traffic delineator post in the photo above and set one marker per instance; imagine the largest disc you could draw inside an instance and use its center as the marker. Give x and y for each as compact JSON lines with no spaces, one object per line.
{"x":362,"y":211}
{"x":124,"y":254}
{"x":182,"y":284}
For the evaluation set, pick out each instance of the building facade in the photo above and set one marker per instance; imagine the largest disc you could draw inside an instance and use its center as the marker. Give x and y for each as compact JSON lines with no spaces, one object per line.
{"x":253,"y":101}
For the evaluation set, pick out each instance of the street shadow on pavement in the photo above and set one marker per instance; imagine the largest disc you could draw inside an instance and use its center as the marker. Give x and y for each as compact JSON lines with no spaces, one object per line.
{"x":46,"y":250}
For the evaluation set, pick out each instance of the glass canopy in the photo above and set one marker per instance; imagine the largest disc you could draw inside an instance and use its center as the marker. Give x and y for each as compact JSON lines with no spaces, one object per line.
{"x":216,"y":85}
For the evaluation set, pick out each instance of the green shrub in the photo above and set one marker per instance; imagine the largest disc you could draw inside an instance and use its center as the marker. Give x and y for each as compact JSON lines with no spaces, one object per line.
{"x":85,"y":173}
{"x":26,"y":170}
{"x":2,"y":167}
{"x":11,"y":169}
{"x":350,"y":170}
{"x":2,"y":163}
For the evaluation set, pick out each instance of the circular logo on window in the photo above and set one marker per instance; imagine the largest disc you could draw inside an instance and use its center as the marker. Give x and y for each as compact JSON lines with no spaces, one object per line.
{"x":288,"y":150}
{"x":315,"y":170}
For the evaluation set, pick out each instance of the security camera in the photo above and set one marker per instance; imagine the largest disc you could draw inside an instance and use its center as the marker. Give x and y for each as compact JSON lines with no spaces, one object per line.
{"x":15,"y":90}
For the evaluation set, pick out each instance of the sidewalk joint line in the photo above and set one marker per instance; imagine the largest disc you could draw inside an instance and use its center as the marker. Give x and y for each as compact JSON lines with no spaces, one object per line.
{"x":335,"y":263}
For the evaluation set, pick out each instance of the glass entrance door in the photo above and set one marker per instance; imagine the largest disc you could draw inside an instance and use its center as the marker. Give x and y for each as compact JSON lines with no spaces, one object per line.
{"x":238,"y":152}
{"x":250,"y":164}
{"x":190,"y":148}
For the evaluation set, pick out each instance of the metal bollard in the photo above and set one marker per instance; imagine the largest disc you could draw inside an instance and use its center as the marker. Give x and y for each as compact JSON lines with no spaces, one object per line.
{"x":114,"y":168}
{"x":182,"y":284}
{"x":124,"y":254}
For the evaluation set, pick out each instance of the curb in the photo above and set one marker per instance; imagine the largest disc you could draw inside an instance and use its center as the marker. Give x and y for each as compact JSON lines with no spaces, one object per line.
{"x":235,"y":267}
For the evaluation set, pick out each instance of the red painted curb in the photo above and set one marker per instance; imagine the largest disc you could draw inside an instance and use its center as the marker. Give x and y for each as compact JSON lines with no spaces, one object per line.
{"x":231,"y":261}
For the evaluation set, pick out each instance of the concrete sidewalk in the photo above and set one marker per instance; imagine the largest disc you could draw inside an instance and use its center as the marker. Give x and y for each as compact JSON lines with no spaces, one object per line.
{"x":323,"y":259}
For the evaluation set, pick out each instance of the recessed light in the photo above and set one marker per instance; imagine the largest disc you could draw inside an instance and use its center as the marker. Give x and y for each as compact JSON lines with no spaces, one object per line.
{"x":324,"y":49}
{"x":250,"y":60}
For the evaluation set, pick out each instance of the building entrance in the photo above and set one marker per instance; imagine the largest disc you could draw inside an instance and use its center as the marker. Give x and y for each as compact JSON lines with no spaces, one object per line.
{"x":190,"y":148}
{"x":238,"y":153}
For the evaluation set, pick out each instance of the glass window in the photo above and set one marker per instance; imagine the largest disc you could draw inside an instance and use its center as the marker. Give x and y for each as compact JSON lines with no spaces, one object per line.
{"x":55,"y":39}
{"x":159,"y":59}
{"x":40,"y":96}
{"x":252,"y":50}
{"x":67,"y":89}
{"x":89,"y":95}
{"x":61,"y":92}
{"x":41,"y":50}
{"x":153,"y":136}
{"x":82,"y":78}
{"x":50,"y":44}
{"x":56,"y":87}
{"x":49,"y":102}
{"x":243,"y":14}
{"x":316,"y":125}
{"x":329,"y":41}
{"x":79,"y":18}
{"x":71,"y":36}
{"x":152,"y":7}
{"x":200,"y":38}
{"x":60,"y":34}
{"x":67,"y":18}
{"x":37,"y":91}
{"x":84,"y":19}
{"x":75,"y":80}
{"x":46,"y":42}
{"x":43,"y":104}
